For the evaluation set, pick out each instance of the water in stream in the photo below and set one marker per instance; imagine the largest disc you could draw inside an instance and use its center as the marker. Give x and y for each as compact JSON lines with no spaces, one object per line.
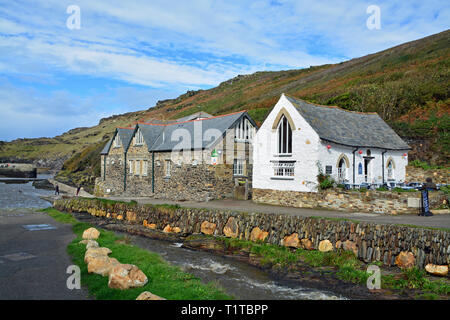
{"x":23,"y":195}
{"x":237,"y":278}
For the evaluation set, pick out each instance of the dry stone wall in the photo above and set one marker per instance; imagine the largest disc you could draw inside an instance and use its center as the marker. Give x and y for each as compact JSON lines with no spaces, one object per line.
{"x":370,"y":242}
{"x":387,"y":202}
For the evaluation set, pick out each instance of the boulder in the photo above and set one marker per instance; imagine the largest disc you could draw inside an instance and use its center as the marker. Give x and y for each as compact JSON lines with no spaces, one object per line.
{"x":147,"y":295}
{"x":89,"y":243}
{"x":291,"y":241}
{"x":436,"y":269}
{"x":350,"y":246}
{"x":102,"y":265}
{"x":169,"y":229}
{"x":307,"y":244}
{"x":258,"y":235}
{"x":208,"y":227}
{"x":325,"y":246}
{"x":405,"y":260}
{"x":149,"y":225}
{"x":125,"y":276}
{"x":231,"y":228}
{"x":91,"y":234}
{"x":95,"y":252}
{"x":92,"y":244}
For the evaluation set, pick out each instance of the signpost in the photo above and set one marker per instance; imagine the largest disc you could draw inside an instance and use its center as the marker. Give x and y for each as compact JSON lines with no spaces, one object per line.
{"x":424,"y":204}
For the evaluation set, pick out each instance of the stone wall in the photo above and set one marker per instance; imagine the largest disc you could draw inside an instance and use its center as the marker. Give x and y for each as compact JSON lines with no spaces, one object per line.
{"x":416,"y":174}
{"x":372,"y":201}
{"x":370,"y":242}
{"x":192,"y":175}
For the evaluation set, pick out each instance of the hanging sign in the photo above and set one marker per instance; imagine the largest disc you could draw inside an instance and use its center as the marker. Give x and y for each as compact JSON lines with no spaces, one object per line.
{"x":425,"y":203}
{"x":214,"y":157}
{"x":360,"y":168}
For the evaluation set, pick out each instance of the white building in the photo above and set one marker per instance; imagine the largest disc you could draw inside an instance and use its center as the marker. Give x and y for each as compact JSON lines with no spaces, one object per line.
{"x":298,"y":140}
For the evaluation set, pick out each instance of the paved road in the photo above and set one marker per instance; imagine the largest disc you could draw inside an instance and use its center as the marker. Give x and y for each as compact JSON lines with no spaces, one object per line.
{"x":436,"y":221}
{"x":33,"y":263}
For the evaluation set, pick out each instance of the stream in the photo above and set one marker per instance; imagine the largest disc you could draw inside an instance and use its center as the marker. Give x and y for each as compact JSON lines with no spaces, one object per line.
{"x":237,"y":278}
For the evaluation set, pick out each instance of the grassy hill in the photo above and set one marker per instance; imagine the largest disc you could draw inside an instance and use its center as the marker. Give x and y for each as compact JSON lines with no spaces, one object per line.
{"x":407,"y":85}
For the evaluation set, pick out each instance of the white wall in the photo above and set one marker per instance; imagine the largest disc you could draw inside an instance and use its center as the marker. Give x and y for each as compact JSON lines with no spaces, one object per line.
{"x":305,"y":143}
{"x":331,"y":156}
{"x":308,"y":150}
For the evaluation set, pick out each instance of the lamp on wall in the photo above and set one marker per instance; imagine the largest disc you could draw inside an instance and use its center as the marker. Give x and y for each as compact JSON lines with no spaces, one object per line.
{"x":328,"y":147}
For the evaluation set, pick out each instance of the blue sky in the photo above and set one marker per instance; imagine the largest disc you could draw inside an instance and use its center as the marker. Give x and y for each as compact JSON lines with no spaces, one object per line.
{"x":127,"y":55}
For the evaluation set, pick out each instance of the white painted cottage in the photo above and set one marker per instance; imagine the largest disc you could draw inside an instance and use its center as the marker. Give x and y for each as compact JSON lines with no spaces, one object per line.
{"x":299,"y":139}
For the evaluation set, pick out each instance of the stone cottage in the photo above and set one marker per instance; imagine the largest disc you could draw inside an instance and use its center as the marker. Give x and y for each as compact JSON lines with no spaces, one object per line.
{"x":299,"y":140}
{"x":199,"y":157}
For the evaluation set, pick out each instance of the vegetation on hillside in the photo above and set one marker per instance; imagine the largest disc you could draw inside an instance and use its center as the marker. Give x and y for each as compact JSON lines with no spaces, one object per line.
{"x":408,"y":86}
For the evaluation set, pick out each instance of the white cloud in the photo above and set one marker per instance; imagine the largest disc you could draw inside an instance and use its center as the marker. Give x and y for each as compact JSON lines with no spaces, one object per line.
{"x":171,"y":46}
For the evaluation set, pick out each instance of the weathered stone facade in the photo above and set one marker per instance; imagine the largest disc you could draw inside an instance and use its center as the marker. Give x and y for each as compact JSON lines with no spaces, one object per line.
{"x":370,"y":242}
{"x":372,"y":201}
{"x":178,"y":175}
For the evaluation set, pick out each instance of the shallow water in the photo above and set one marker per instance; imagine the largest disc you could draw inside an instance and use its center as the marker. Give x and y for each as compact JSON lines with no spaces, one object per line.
{"x":23,"y":195}
{"x":237,"y":278}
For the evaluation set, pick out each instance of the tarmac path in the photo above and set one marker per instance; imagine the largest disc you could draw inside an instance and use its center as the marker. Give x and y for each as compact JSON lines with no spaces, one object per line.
{"x":33,"y":264}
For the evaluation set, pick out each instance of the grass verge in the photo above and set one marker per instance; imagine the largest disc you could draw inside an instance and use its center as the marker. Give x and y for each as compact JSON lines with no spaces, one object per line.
{"x":164,"y":280}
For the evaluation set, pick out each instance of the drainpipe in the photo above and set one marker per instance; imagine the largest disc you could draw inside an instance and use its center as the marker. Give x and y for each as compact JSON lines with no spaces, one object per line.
{"x":153,"y":172}
{"x":104,"y":168}
{"x":125,"y":172}
{"x":354,"y":164}
{"x":382,"y":164}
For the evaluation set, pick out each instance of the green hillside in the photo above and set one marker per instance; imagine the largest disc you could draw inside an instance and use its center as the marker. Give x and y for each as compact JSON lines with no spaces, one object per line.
{"x":407,"y":85}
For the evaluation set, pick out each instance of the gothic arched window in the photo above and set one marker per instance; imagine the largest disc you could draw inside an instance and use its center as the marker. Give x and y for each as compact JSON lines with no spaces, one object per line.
{"x":284,"y":132}
{"x":390,"y":169}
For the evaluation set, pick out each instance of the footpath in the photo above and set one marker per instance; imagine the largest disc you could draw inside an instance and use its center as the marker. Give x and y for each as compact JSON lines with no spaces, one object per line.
{"x":436,"y":221}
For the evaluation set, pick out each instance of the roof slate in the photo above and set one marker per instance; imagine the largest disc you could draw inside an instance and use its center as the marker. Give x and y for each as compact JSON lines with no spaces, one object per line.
{"x":349,"y":128}
{"x":125,"y":134}
{"x":159,"y":137}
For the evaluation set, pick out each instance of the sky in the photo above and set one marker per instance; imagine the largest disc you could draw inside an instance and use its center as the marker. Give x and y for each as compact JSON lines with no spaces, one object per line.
{"x":62,"y":68}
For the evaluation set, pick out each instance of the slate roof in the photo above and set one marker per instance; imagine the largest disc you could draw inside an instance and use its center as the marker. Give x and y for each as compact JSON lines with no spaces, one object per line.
{"x":158,"y":136}
{"x":125,"y":134}
{"x":216,"y":126}
{"x":349,"y":128}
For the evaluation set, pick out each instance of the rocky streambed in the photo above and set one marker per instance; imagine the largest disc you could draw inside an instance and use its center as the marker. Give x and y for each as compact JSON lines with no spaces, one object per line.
{"x":204,"y":254}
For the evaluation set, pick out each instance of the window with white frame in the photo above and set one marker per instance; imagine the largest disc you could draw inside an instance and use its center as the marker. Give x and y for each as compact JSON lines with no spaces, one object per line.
{"x":168,"y":168}
{"x":138,"y":167}
{"x":145,"y":168}
{"x":138,"y":138}
{"x":329,"y":170}
{"x":238,"y":167}
{"x":117,"y":142}
{"x":283,"y":168}
{"x":130,"y":165}
{"x":244,"y":130}
{"x":284,"y":135}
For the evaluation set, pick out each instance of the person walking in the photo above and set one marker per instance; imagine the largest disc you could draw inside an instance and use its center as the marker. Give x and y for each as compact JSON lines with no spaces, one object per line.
{"x":57,"y":190}
{"x":78,"y":190}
